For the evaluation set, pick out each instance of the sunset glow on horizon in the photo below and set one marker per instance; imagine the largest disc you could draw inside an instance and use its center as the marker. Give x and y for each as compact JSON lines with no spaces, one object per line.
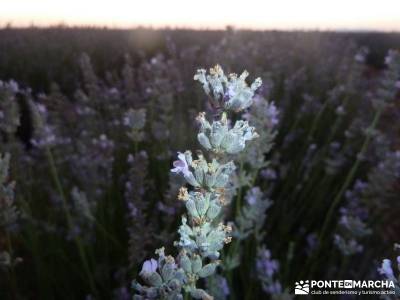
{"x":253,"y":14}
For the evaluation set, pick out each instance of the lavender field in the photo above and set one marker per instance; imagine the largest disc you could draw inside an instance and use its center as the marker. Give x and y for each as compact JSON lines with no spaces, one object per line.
{"x":178,"y":164}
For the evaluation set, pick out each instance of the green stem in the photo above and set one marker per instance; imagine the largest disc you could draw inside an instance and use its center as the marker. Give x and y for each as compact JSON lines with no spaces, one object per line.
{"x":81,"y":251}
{"x":337,"y":123}
{"x":231,"y":285}
{"x":343,"y":266}
{"x":186,"y":296}
{"x":108,"y":235}
{"x":316,"y":121}
{"x":239,"y":195}
{"x":12,"y":269}
{"x":350,"y":175}
{"x":346,"y":184}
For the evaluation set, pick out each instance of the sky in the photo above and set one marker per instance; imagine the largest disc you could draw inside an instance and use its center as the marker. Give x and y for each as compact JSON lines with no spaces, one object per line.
{"x":207,"y":14}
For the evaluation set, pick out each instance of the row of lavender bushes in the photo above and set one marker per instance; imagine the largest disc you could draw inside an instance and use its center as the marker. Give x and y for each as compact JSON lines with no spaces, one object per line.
{"x":87,"y":193}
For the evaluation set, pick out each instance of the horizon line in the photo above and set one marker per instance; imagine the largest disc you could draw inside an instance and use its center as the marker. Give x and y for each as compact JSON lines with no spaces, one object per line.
{"x":62,"y":24}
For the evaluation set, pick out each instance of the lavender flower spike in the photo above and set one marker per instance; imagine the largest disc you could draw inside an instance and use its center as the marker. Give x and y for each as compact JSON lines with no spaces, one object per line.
{"x":202,"y":233}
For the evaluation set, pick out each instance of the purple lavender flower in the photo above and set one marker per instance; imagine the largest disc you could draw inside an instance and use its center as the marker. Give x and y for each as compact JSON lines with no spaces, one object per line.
{"x":274,"y":288}
{"x":149,"y":266}
{"x":312,"y":242}
{"x":122,"y":293}
{"x":340,"y":110}
{"x":361,"y":55}
{"x":13,"y":85}
{"x":169,"y":210}
{"x":133,"y":211}
{"x":217,"y":286}
{"x":265,"y":264}
{"x":181,"y":165}
{"x":267,"y":269}
{"x":223,"y":285}
{"x":253,"y":195}
{"x":269,"y":174}
{"x":386,"y":269}
{"x":389,"y":58}
{"x":272,"y":114}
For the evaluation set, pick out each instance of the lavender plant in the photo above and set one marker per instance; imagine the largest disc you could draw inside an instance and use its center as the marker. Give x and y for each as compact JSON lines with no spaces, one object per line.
{"x":386,"y":271}
{"x":385,"y":95}
{"x":252,"y":216}
{"x":352,"y":225}
{"x":266,"y":269}
{"x":217,"y":285}
{"x":135,"y":189}
{"x":135,"y":121}
{"x":9,"y":213}
{"x":83,"y":215}
{"x":202,"y":234}
{"x":90,"y":160}
{"x":9,"y":111}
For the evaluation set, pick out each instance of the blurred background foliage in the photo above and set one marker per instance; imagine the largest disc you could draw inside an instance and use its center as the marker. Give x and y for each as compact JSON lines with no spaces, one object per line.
{"x":333,"y":175}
